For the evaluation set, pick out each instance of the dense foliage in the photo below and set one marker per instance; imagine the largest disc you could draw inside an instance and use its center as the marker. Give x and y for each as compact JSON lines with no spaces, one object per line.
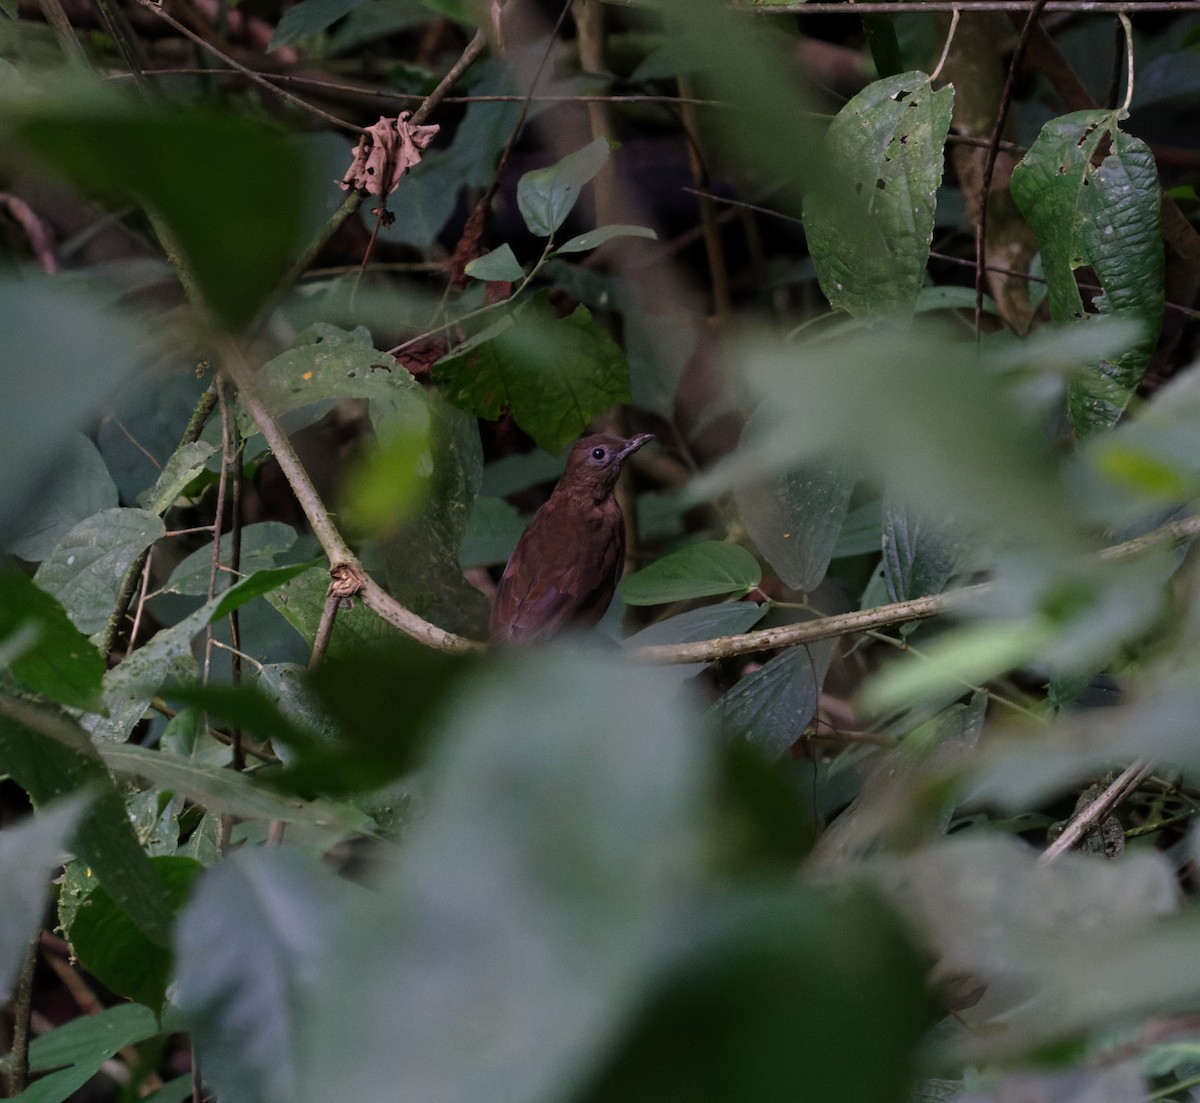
{"x":909,"y":304}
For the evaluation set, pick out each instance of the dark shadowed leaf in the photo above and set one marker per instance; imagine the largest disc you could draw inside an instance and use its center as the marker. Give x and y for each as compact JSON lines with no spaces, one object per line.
{"x":493,"y":529}
{"x":184,"y":465}
{"x":765,"y":1000}
{"x":309,"y":18}
{"x":260,"y":545}
{"x":918,"y":554}
{"x":44,"y":650}
{"x":772,"y":706}
{"x":701,"y":570}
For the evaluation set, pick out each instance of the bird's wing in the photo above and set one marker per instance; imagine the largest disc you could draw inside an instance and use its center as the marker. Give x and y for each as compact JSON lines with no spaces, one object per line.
{"x":529,"y":615}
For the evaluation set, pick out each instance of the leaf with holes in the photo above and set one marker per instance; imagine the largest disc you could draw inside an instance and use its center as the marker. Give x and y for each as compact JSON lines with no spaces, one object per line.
{"x":553,"y":374}
{"x":870,"y":226}
{"x":1104,"y":213}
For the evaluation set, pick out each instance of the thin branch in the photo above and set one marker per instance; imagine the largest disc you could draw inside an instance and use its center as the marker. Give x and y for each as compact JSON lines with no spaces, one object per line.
{"x":1128,"y":28}
{"x":937,"y":69}
{"x":340,"y":557}
{"x":1127,"y":781}
{"x":474,"y":49}
{"x":248,"y":73}
{"x":989,"y":167}
{"x":22,"y":1011}
{"x":881,"y":616}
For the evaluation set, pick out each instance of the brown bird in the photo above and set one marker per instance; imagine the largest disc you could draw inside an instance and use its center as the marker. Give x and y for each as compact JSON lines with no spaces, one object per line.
{"x":565,"y":567}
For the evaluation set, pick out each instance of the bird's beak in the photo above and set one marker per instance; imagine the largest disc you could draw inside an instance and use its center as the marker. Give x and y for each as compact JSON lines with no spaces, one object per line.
{"x":633,"y":444}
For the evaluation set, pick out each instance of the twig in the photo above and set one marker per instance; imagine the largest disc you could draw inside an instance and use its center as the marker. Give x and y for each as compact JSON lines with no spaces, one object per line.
{"x":340,"y":557}
{"x":57,"y":18}
{"x":1128,"y":28}
{"x":248,"y":73}
{"x":713,"y":246}
{"x":1126,"y":782}
{"x":22,"y":1009}
{"x":937,"y":69}
{"x":989,"y":166}
{"x":881,"y":616}
{"x":333,"y":602}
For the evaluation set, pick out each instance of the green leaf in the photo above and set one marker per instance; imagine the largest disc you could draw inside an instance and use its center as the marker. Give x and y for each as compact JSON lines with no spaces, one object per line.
{"x":795,"y":520}
{"x":499,"y":264}
{"x":55,"y":658}
{"x":84,"y":361}
{"x":1104,"y":215}
{"x":257,"y":584}
{"x":261,"y":544}
{"x":186,"y":463}
{"x":546,"y":196}
{"x":29,"y":853}
{"x":326,"y":365}
{"x":86,"y":567}
{"x":224,"y":791}
{"x":184,"y":165}
{"x":110,"y":946}
{"x":308,"y":18}
{"x":919,"y":555}
{"x":79,"y":487}
{"x":553,"y":374}
{"x":597,"y":237}
{"x":761,"y":1004}
{"x":700,"y":570}
{"x":537,"y":888}
{"x":256,"y":932}
{"x":55,"y":759}
{"x":83,"y":1045}
{"x":869,"y":228}
{"x":772,"y":706}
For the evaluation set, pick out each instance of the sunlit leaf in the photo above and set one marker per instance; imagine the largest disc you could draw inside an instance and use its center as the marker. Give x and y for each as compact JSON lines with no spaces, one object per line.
{"x":597,"y":237}
{"x":499,"y":264}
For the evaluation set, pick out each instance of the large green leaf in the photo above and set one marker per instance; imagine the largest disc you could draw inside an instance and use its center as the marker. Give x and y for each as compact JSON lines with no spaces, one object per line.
{"x":55,"y":759}
{"x":54,"y":378}
{"x":229,"y":189}
{"x":109,"y":945}
{"x":86,"y":567}
{"x":77,"y":1051}
{"x":254,"y":937}
{"x":184,"y":465}
{"x":49,"y":654}
{"x":1104,"y":213}
{"x":700,"y":570}
{"x":261,"y":544}
{"x":553,"y":374}
{"x":79,"y":487}
{"x":29,"y":854}
{"x":771,"y":706}
{"x":919,"y":555}
{"x":885,"y":149}
{"x":795,"y":520}
{"x":546,"y":196}
{"x":533,"y":895}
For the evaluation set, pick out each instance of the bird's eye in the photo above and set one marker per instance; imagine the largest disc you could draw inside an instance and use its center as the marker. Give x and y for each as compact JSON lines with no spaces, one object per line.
{"x":598,"y":453}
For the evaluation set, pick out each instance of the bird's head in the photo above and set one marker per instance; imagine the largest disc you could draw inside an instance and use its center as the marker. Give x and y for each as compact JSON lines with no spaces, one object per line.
{"x":595,"y":462}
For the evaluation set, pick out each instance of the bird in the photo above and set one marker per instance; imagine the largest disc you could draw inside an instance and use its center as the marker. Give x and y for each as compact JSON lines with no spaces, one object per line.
{"x":565,"y":568}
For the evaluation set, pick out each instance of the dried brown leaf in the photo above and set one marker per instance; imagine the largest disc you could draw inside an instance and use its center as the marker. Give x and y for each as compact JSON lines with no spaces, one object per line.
{"x":385,"y":152}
